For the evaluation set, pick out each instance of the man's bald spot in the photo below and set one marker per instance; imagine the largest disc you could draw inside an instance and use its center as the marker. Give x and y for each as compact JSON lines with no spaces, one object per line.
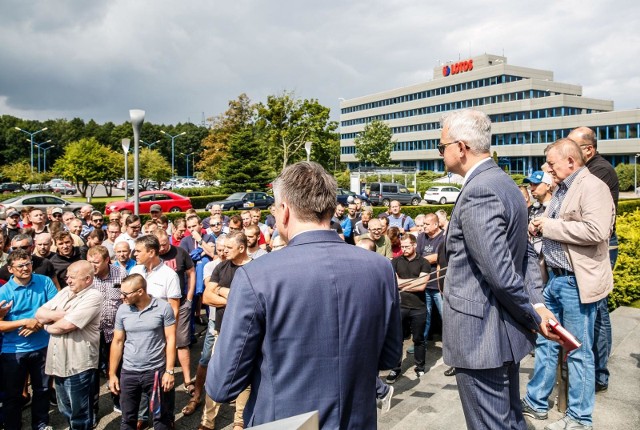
{"x":122,"y":245}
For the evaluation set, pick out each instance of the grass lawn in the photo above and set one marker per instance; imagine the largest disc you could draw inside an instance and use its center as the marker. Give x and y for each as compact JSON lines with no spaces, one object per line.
{"x":94,"y":199}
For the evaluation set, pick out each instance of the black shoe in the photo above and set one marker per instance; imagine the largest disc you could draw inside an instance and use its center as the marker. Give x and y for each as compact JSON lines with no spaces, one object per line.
{"x":392,"y":377}
{"x":601,"y":388}
{"x":450,"y":371}
{"x":53,"y":399}
{"x":419,"y":371}
{"x":530,"y":412}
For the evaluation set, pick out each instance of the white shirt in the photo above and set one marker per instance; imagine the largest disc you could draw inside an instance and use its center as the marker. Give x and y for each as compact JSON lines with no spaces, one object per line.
{"x":162,"y":282}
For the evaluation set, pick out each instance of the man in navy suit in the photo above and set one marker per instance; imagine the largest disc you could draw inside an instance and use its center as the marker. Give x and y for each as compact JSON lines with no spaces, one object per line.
{"x":309,"y":326}
{"x":493,"y":302}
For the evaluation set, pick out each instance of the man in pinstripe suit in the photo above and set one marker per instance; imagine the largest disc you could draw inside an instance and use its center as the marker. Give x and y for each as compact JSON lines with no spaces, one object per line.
{"x":493,"y":302}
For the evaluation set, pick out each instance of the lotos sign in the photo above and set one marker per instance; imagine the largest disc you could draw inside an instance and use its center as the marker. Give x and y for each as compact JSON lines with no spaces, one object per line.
{"x":454,"y":69}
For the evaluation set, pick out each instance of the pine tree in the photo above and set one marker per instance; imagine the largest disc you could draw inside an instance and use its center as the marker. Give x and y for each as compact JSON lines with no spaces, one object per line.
{"x":243,"y":167}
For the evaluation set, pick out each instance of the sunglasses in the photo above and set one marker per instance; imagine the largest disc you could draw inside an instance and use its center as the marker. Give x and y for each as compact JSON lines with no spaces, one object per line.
{"x":56,"y":215}
{"x":215,"y":224}
{"x":442,"y":146}
{"x":24,"y":247}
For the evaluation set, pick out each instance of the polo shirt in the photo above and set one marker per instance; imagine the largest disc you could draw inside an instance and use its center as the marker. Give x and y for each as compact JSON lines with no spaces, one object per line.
{"x":26,"y":301}
{"x":162,"y":281}
{"x":145,"y":343}
{"x":77,"y":351}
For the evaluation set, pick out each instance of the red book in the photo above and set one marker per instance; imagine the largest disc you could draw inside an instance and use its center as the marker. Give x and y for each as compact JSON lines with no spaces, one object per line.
{"x":570,"y":341}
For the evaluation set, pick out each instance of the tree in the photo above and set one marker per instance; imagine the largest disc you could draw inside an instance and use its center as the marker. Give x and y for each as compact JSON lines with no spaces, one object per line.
{"x":242,"y":168}
{"x":626,"y":175}
{"x":241,"y":113}
{"x":288,"y":123}
{"x":374,"y":144}
{"x":87,"y":163}
{"x":153,"y":166}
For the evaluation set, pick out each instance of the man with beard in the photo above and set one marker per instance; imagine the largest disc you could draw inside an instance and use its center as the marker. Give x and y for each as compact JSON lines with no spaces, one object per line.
{"x":253,"y":249}
{"x":43,"y":244}
{"x":12,"y":226}
{"x":383,"y":244}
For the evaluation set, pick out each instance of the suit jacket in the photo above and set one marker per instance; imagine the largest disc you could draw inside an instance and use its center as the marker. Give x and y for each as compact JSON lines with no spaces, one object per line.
{"x":585,"y":223}
{"x":493,"y":277}
{"x":309,"y":327}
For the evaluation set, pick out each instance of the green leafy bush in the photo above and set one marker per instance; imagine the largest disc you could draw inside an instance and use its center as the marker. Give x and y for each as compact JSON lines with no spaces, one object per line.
{"x":626,"y":275}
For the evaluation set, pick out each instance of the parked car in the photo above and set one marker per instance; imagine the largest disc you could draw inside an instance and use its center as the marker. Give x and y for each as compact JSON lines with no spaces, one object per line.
{"x":244,"y":200}
{"x":343,"y":196}
{"x":45,"y":188}
{"x":10,"y":187}
{"x":442,"y":194}
{"x":385,"y":192}
{"x":63,"y":188}
{"x":41,"y":201}
{"x":168,"y":201}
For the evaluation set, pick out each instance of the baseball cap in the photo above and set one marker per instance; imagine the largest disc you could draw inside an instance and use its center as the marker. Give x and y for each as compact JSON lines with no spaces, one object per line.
{"x":539,"y":177}
{"x":155,"y":208}
{"x":13,"y":212}
{"x":56,"y":211}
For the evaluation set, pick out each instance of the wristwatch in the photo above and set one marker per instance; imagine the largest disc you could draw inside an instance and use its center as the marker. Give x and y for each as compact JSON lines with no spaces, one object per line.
{"x":170,"y":372}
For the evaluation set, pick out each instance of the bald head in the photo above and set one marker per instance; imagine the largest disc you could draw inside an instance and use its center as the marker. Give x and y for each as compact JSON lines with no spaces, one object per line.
{"x":80,"y":276}
{"x":586,"y":140}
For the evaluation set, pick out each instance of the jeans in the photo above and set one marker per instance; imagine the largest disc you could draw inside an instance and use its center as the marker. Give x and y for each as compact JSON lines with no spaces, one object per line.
{"x":207,"y":345}
{"x":562,"y":298}
{"x":76,"y":395}
{"x":382,"y":389}
{"x":603,"y":337}
{"x":431,"y":297}
{"x":416,"y":319}
{"x":132,"y":385}
{"x":15,"y":367}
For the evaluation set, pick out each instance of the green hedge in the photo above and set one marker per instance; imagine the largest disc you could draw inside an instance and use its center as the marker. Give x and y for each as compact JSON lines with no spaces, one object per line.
{"x":630,"y":205}
{"x":201,"y":202}
{"x":201,"y":191}
{"x":626,"y":275}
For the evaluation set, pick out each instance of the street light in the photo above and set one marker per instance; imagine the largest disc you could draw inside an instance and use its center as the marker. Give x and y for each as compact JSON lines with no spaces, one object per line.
{"x":173,"y":150}
{"x":635,"y":174}
{"x":45,"y":156}
{"x":192,"y":160}
{"x":125,"y":148}
{"x":307,"y":147}
{"x":149,"y":145}
{"x":137,"y":118}
{"x":39,"y":145}
{"x":31,"y":140}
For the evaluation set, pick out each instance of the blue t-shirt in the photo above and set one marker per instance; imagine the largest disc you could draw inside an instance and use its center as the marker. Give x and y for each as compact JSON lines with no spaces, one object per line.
{"x":26,"y":301}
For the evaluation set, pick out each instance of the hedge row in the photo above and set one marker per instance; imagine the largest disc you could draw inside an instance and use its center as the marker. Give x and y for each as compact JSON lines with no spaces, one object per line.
{"x":626,"y":275}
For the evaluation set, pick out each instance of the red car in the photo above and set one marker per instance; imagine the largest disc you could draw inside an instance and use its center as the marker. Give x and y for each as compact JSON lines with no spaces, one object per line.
{"x":168,"y":201}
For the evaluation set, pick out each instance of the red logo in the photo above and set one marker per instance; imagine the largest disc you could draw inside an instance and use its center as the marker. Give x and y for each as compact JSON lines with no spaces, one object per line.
{"x":454,"y":69}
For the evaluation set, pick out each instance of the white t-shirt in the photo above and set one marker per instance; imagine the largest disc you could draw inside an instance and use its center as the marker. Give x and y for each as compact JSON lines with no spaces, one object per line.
{"x":162,"y":282}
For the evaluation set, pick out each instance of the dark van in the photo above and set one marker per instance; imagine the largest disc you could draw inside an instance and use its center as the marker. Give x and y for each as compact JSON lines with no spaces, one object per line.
{"x":382,"y":193}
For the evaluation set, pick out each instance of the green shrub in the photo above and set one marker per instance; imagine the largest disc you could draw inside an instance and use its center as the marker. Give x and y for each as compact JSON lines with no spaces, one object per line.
{"x":201,"y":202}
{"x":626,"y":275}
{"x":200,"y":191}
{"x":625,"y":206}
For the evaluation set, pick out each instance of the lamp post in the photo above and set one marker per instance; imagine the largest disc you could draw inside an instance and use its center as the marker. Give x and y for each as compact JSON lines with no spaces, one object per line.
{"x":187,"y":157}
{"x":635,"y":174}
{"x":125,"y":148}
{"x":307,"y":147}
{"x":149,"y":145}
{"x":31,"y":134}
{"x":173,"y":150}
{"x":45,"y":156}
{"x":39,"y":145}
{"x":137,"y":118}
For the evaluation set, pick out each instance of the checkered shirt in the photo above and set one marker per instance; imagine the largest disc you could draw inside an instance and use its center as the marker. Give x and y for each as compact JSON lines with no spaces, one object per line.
{"x":552,"y":250}
{"x":110,"y":298}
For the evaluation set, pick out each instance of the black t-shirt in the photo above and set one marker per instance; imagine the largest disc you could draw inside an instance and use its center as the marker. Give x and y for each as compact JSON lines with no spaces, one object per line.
{"x":223,"y":276}
{"x":180,"y":261}
{"x":411,"y":269}
{"x":427,"y":246}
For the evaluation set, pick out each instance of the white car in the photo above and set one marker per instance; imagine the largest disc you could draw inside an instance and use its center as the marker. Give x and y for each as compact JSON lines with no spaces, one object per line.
{"x":442,"y":194}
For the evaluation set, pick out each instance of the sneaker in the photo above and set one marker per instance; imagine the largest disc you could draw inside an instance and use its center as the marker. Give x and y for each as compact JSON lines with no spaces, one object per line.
{"x":567,"y":423}
{"x":410,"y":350}
{"x":419,"y":372}
{"x":450,"y":371}
{"x":47,"y":428}
{"x":385,"y":402}
{"x":530,"y":412}
{"x":53,"y":399}
{"x":601,"y":388}
{"x":26,"y":401}
{"x":117,"y":409}
{"x":392,"y":377}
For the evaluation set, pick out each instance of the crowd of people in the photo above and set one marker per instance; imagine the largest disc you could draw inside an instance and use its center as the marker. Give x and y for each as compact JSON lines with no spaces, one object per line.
{"x":333,"y":289}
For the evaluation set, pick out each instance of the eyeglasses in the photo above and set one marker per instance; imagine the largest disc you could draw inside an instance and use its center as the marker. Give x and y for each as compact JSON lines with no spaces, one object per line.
{"x":56,"y":215}
{"x":136,"y":227}
{"x":22,"y":266}
{"x":97,"y":220}
{"x":125,"y":294}
{"x":215,"y":224}
{"x":375,"y":229}
{"x":442,"y":146}
{"x":23,"y":247}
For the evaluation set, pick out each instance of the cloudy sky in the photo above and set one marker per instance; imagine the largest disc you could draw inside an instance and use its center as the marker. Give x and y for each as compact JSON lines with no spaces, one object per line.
{"x":180,"y":59}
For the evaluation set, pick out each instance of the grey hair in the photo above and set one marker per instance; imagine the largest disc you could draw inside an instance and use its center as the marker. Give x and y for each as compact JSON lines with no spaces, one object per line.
{"x":568,"y":148}
{"x":308,"y":189}
{"x":470,"y":126}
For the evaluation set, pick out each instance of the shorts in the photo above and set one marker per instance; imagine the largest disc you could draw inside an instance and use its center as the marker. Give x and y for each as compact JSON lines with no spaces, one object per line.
{"x":183,"y":329}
